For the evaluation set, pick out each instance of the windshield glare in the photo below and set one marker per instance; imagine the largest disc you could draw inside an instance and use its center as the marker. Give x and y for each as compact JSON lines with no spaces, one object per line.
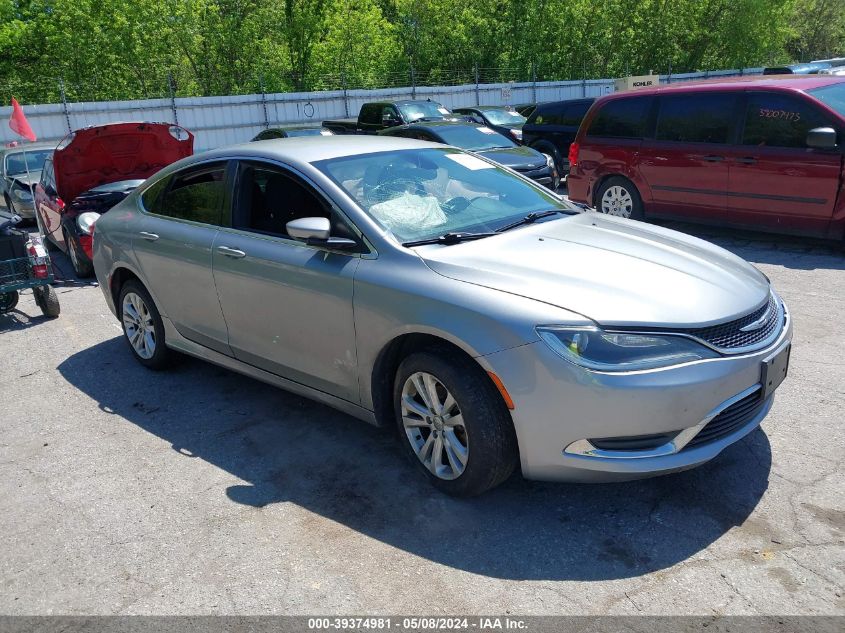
{"x":504,"y":117}
{"x":473,"y":138}
{"x":17,"y":165}
{"x":423,"y":110}
{"x":832,"y":96}
{"x":421,"y":194}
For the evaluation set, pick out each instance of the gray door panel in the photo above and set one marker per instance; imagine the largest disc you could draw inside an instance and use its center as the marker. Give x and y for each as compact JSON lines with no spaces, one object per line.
{"x":177,"y":267}
{"x":289,"y":309}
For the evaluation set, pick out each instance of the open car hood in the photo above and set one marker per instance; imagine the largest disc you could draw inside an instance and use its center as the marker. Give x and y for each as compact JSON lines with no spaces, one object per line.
{"x":103,"y":154}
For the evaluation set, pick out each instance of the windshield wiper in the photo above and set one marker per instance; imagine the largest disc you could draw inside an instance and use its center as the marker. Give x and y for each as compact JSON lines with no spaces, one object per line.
{"x":448,"y":238}
{"x":533,"y":217}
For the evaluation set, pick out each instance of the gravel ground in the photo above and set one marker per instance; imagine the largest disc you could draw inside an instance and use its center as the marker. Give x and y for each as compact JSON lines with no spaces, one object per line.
{"x":198,"y":491}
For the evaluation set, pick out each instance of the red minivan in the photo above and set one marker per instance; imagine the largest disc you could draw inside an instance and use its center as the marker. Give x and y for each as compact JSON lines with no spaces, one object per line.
{"x":757,"y":152}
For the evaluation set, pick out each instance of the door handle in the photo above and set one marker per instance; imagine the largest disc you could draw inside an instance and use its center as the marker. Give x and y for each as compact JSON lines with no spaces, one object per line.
{"x":713,"y":158}
{"x":231,"y":252}
{"x":152,"y":237}
{"x":746,"y":160}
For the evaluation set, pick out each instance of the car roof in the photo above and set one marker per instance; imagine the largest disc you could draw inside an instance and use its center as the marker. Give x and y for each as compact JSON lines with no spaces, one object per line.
{"x":547,"y":105}
{"x":427,"y":125}
{"x":310,"y":149}
{"x":778,"y":82}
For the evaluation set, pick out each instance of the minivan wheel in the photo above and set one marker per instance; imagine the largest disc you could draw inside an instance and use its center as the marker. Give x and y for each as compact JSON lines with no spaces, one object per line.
{"x":618,"y":196}
{"x":142,"y":326}
{"x":453,"y":423}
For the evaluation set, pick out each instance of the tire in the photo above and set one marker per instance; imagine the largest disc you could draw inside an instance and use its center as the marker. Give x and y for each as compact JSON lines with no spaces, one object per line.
{"x":47,"y":300}
{"x":135,"y":295}
{"x":81,"y":268}
{"x":8,"y":301}
{"x":476,"y":454}
{"x":618,"y":196}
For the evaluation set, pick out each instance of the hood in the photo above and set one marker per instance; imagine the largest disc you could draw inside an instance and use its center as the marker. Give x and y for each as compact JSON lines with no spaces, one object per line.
{"x":613,"y":271}
{"x":519,"y":157}
{"x":28,"y":180}
{"x":104,"y":154}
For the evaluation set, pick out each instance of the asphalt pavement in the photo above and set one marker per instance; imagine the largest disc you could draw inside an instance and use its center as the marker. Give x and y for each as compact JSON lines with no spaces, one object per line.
{"x":199,"y":491}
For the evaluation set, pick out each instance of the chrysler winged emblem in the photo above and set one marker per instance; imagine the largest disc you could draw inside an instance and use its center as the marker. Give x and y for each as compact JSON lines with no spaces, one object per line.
{"x":756,"y":325}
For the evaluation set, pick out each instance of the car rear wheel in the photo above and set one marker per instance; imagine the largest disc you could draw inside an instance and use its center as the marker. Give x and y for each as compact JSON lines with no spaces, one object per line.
{"x":618,"y":196}
{"x":142,"y":326}
{"x":453,"y":423}
{"x":81,"y":266}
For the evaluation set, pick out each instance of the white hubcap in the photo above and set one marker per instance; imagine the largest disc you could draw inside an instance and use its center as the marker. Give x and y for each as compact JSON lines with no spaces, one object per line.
{"x":434,"y":426}
{"x":617,"y":201}
{"x":138,"y":325}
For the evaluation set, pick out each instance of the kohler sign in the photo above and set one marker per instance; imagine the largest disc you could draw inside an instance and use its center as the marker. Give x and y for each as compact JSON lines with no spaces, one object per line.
{"x":633,"y":83}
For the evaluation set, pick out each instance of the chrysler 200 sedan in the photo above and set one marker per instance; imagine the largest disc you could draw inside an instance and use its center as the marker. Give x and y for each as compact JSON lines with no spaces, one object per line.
{"x":417,"y":286}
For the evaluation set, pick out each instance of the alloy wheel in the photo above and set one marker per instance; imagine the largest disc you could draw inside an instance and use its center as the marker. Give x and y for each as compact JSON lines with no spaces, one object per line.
{"x":434,"y":426}
{"x":138,"y":325}
{"x":617,"y":201}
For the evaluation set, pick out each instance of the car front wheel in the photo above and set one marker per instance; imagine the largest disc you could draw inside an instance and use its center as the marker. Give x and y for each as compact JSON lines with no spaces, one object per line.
{"x":453,"y":423}
{"x":142,"y":326}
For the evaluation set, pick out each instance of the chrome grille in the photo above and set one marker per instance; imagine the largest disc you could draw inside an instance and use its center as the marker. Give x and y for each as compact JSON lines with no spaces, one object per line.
{"x":730,"y":419}
{"x":729,"y":336}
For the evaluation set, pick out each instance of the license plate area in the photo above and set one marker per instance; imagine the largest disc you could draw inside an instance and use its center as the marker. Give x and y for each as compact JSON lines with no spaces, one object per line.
{"x":774,"y":370}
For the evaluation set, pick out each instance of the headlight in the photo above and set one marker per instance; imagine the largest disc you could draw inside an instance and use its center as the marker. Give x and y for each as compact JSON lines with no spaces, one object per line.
{"x":517,"y":134}
{"x":86,"y":220}
{"x":24,"y":195}
{"x":596,"y":349}
{"x":550,"y":162}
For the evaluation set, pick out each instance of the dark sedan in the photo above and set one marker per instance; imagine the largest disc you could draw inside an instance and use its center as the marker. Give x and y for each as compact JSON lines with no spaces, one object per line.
{"x":485,"y":142}
{"x":291,"y":131}
{"x":503,"y":119}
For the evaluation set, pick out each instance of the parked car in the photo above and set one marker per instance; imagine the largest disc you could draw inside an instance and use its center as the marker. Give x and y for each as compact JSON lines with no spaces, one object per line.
{"x":762,"y":153}
{"x":503,"y":119}
{"x":423,"y":288}
{"x":291,"y":131}
{"x":20,"y":169}
{"x":484,"y":142}
{"x":377,"y":116}
{"x":552,"y":127}
{"x":809,"y":68}
{"x":93,"y":169}
{"x":838,"y":71}
{"x":525,"y":109}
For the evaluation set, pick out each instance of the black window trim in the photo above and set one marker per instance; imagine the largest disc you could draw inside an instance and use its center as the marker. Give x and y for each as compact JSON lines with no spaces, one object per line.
{"x":367,"y":248}
{"x":198,"y":166}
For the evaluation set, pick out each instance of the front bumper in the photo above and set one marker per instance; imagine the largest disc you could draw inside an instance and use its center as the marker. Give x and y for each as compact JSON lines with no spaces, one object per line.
{"x":558,"y":405}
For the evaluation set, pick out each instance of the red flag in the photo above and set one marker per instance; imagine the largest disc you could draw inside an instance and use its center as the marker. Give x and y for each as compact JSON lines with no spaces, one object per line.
{"x":18,"y":122}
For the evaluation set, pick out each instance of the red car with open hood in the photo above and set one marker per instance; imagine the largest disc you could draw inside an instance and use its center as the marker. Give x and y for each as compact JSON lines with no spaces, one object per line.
{"x":92,"y":170}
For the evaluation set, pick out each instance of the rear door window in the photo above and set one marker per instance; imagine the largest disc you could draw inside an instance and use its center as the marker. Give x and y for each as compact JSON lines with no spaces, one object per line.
{"x":196,"y":195}
{"x":621,"y":118}
{"x":696,"y":118}
{"x":779,"y":120}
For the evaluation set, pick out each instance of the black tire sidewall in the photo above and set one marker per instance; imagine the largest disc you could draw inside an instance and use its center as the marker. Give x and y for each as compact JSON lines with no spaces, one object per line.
{"x":161,"y":356}
{"x":8,"y":300}
{"x":493,"y":454}
{"x":47,"y":300}
{"x":86,"y":269}
{"x":620,"y":181}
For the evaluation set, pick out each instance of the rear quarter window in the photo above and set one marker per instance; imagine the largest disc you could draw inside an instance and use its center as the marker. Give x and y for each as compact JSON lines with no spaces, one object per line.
{"x":621,"y":118}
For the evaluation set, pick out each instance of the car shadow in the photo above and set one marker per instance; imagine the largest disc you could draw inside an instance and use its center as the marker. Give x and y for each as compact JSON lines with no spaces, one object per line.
{"x":289,"y":448}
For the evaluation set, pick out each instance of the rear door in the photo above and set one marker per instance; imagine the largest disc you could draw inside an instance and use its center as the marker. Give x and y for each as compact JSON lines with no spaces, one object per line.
{"x":686,"y":163}
{"x":288,"y":305}
{"x":174,"y":247}
{"x":776,"y":181}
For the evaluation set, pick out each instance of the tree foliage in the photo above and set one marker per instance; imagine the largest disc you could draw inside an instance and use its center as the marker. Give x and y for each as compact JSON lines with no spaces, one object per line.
{"x":113,"y":49}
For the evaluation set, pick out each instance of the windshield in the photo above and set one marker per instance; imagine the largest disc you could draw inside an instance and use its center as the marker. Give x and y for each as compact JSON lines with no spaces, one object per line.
{"x":472,"y":138}
{"x":423,"y":110}
{"x":17,"y":165}
{"x":423,"y":193}
{"x":504,"y":117}
{"x":832,"y":96}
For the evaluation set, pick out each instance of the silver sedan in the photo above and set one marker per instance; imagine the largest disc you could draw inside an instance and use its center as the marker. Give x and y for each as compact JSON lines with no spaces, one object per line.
{"x":426,"y":289}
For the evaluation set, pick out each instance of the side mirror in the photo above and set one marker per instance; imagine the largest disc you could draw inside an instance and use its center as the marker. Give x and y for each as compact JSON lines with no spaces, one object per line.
{"x":317,"y":232}
{"x":389,"y":120}
{"x":822,"y":138}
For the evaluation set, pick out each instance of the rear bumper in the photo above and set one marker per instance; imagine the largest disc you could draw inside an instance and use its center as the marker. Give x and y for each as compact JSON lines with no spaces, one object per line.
{"x":558,"y":405}
{"x":578,"y":188}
